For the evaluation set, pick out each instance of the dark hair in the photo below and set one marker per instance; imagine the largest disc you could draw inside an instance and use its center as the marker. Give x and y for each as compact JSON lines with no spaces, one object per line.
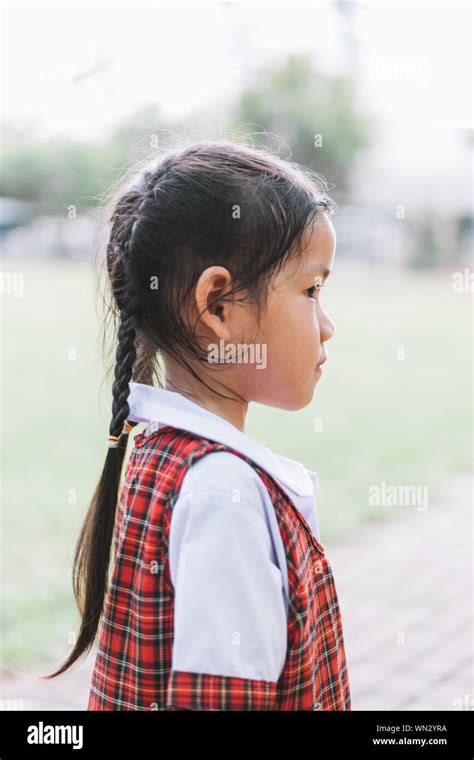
{"x":208,"y":203}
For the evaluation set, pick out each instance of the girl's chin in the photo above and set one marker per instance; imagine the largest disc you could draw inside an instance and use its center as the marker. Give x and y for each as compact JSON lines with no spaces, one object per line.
{"x":292,"y":396}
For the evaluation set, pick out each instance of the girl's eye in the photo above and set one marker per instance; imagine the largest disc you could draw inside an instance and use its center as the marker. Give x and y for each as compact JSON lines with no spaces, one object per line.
{"x":314,"y":290}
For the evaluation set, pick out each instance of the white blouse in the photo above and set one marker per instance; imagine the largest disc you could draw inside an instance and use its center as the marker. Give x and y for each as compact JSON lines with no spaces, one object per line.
{"x":227,"y":560}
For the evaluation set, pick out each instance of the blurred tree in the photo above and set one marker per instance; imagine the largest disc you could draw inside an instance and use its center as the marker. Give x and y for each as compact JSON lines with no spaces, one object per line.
{"x":298,"y":104}
{"x":294,"y":102}
{"x":59,"y":172}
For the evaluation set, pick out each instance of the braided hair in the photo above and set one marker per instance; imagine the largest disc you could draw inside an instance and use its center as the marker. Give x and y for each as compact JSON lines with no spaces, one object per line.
{"x":172,"y":223}
{"x":128,"y":303}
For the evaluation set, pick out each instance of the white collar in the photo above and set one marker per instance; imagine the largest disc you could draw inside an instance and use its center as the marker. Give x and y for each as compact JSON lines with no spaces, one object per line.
{"x":160,"y":406}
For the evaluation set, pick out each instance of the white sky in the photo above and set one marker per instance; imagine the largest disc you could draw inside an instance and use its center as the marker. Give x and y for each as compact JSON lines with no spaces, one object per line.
{"x":77,"y":67}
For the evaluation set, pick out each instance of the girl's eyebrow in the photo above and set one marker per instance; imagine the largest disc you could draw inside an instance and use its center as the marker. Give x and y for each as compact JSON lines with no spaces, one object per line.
{"x":319,"y":272}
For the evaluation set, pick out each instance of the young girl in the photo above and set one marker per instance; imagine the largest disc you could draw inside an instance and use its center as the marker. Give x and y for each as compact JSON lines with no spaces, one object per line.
{"x":221,"y":596}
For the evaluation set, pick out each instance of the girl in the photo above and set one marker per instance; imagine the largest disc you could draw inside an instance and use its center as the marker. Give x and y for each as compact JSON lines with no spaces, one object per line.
{"x":221,"y":596}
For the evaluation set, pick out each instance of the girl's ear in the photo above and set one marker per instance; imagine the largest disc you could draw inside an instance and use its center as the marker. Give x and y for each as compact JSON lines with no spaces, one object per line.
{"x":211,"y":301}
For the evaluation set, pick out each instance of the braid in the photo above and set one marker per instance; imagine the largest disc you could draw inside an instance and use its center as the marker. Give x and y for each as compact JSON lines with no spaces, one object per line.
{"x":128,"y":341}
{"x":124,"y":360}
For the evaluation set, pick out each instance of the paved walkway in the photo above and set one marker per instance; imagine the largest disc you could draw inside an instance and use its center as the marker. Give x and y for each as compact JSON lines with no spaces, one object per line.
{"x":406,"y":592}
{"x":405,"y":589}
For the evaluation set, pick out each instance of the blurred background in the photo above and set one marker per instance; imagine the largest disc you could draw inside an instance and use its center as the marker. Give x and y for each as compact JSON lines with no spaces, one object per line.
{"x":376,"y":97}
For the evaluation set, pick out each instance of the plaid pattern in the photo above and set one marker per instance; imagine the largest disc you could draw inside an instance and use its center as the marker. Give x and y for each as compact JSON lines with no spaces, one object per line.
{"x":202,"y":691}
{"x":133,"y":670}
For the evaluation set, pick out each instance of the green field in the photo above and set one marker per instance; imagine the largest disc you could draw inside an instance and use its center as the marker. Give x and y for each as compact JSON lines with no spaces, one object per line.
{"x":383,"y":419}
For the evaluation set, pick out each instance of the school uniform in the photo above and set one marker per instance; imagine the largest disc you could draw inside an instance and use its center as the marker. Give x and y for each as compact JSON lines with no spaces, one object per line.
{"x":221,"y":596}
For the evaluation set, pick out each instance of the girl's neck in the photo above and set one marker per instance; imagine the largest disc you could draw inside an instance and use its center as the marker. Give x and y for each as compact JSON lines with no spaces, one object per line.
{"x":232,"y":409}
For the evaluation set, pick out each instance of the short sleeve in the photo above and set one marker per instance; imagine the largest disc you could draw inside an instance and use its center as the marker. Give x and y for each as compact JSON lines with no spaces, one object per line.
{"x":230,"y":619}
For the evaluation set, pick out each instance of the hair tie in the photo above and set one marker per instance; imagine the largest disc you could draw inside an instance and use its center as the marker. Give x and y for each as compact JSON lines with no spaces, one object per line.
{"x":127,"y":427}
{"x":113,"y":440}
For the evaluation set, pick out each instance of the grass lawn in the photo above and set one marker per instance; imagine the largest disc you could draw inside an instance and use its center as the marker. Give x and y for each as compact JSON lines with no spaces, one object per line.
{"x":375,"y":417}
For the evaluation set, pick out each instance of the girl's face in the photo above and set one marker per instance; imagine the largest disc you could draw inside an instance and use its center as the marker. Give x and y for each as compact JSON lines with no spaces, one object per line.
{"x":280,"y":368}
{"x":295,"y":326}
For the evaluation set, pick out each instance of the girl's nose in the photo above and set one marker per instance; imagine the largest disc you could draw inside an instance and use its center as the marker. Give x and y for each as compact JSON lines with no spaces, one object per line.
{"x":328,"y":328}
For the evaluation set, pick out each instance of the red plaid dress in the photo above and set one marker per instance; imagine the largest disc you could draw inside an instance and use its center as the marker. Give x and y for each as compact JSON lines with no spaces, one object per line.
{"x":132,"y":670}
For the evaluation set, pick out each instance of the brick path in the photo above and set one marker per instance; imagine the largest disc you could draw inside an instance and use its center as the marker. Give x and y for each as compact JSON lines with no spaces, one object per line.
{"x":405,"y":589}
{"x":407,"y":595}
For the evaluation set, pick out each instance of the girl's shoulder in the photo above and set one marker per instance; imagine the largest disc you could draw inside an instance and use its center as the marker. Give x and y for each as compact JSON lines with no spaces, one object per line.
{"x":227,"y":473}
{"x":200,"y":463}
